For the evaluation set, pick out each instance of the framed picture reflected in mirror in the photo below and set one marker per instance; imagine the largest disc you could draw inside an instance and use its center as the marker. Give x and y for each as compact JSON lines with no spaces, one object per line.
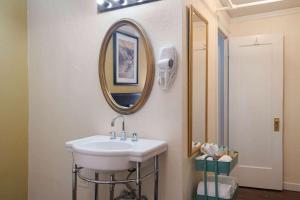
{"x":125,"y":61}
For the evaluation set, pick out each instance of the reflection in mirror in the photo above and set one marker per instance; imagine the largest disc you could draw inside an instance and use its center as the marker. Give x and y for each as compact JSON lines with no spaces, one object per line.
{"x":197,"y":81}
{"x":126,"y":66}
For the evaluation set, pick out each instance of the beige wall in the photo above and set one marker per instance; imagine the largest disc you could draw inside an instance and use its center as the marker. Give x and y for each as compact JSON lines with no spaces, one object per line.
{"x":66,"y":101}
{"x":13,"y":100}
{"x":289,"y":26}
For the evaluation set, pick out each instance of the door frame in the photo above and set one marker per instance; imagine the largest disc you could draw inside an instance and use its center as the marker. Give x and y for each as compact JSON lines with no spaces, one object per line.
{"x":226,"y":90}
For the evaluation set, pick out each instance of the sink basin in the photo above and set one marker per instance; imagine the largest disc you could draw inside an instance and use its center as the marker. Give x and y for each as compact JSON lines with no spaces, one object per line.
{"x":95,"y":146}
{"x":103,"y":154}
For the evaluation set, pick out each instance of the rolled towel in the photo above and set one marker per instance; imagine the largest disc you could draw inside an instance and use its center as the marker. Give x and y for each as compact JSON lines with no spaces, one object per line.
{"x":203,"y":157}
{"x":225,"y":158}
{"x":226,"y":187}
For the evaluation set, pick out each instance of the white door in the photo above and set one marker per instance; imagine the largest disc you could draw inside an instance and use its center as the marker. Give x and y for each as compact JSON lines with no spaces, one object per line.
{"x":255,"y":107}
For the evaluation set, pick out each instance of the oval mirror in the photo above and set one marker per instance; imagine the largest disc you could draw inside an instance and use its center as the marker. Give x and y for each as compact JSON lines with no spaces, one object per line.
{"x":126,"y":67}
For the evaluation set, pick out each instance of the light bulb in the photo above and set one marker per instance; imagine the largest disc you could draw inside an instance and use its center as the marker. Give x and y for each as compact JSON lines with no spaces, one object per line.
{"x":104,"y":3}
{"x":122,"y":2}
{"x":100,"y":2}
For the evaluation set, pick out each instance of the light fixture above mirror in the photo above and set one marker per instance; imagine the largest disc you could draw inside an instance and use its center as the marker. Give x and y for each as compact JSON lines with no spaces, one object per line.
{"x":109,"y":5}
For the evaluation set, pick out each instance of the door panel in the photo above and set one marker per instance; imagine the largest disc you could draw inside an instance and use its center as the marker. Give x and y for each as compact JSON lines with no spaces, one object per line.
{"x":255,"y":99}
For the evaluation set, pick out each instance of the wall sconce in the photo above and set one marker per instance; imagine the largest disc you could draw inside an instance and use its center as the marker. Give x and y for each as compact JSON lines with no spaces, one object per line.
{"x":109,"y":5}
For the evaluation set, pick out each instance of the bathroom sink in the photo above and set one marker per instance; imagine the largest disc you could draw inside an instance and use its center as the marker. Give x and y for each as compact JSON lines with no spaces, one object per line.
{"x":96,"y":146}
{"x":103,"y":154}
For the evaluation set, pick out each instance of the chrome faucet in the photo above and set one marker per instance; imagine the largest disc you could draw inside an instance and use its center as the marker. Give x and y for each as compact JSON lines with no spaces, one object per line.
{"x":123,"y":135}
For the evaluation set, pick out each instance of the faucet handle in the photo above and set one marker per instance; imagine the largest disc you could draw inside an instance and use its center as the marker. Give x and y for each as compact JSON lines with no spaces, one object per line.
{"x":134,"y":137}
{"x":113,"y":135}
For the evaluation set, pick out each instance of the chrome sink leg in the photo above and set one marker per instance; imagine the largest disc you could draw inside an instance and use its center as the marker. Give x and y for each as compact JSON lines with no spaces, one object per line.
{"x":156,"y":176}
{"x":74,"y":182}
{"x":96,"y":185}
{"x":112,"y":188}
{"x":138,"y":181}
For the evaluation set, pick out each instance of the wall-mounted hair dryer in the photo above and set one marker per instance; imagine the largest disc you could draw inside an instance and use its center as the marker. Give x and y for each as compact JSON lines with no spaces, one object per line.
{"x":167,"y":67}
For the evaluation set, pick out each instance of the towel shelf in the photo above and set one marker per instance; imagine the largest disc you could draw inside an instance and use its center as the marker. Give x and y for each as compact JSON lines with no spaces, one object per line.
{"x":222,"y":167}
{"x":217,"y":167}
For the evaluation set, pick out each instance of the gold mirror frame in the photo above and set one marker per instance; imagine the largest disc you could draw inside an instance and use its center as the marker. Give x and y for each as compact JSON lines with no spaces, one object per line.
{"x":150,"y":68}
{"x":192,"y":151}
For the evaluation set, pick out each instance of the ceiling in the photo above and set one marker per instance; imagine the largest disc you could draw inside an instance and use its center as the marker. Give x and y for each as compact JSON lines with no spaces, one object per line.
{"x":244,"y":1}
{"x":285,"y":4}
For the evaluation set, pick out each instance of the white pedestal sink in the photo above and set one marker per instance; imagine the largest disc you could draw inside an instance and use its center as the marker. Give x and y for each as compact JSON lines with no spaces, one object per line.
{"x":103,"y":154}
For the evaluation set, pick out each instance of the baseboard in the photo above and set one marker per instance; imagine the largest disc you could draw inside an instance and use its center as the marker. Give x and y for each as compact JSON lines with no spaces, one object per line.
{"x":291,"y":186}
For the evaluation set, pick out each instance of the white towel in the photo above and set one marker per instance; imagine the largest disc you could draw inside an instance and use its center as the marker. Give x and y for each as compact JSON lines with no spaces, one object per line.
{"x":226,"y":187}
{"x":203,"y":157}
{"x":225,"y":158}
{"x":225,"y":191}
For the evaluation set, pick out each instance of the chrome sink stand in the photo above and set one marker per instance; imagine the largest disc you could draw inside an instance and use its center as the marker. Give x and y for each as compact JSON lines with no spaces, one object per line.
{"x":112,"y":182}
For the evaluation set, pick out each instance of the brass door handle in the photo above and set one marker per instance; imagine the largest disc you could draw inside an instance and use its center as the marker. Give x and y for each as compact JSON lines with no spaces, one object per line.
{"x":276,"y":124}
